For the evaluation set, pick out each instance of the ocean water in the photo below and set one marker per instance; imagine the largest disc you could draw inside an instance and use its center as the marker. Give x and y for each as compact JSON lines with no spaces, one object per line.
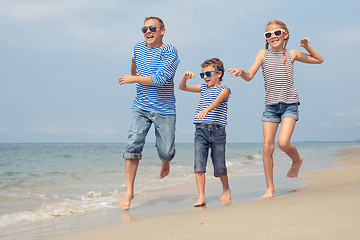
{"x":39,"y":182}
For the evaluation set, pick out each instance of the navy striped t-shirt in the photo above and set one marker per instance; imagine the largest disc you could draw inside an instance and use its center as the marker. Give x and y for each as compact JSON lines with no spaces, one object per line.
{"x":219,"y":114}
{"x":161,"y":64}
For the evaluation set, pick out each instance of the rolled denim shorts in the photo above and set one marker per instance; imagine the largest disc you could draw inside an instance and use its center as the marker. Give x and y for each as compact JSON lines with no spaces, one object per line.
{"x":141,"y":122}
{"x":277,"y":112}
{"x":210,"y":136}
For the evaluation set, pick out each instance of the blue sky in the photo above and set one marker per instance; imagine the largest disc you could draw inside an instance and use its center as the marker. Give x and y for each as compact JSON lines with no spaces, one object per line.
{"x":60,"y":62}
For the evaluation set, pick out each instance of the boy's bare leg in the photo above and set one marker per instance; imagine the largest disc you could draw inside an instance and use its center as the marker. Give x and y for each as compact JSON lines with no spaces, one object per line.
{"x":226,"y":197}
{"x":287,"y":128}
{"x":131,"y":168}
{"x":165,"y":169}
{"x":200,"y":182}
{"x":269,"y":131}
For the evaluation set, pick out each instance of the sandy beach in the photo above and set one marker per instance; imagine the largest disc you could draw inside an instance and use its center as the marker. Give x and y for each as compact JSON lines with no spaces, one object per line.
{"x":325,"y":207}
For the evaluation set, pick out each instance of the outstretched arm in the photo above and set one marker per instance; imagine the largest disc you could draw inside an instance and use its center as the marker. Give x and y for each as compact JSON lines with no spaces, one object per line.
{"x":190,"y":88}
{"x":133,"y":78}
{"x":222,"y":96}
{"x":248,"y":76}
{"x":313,"y":57}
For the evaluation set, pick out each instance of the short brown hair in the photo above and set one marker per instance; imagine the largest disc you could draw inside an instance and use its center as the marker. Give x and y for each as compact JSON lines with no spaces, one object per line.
{"x":162,"y":25}
{"x":216,"y":63}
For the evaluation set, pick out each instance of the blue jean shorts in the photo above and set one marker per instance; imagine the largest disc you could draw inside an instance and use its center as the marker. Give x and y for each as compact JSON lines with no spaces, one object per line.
{"x":209,"y":136}
{"x":164,"y":131}
{"x":277,"y":112}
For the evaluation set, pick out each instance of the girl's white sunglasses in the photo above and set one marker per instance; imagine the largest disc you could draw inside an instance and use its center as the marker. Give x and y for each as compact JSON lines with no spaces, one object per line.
{"x":277,"y":33}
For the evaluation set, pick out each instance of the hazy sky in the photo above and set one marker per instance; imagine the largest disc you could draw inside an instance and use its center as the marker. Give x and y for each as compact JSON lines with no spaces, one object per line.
{"x":60,"y":62}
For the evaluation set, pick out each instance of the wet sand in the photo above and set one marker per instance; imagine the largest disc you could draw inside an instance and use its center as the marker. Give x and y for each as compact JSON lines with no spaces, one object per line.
{"x":326,"y":206}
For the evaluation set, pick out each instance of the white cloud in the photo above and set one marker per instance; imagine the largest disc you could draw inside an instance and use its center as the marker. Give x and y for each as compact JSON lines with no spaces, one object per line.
{"x":3,"y":130}
{"x":66,"y":24}
{"x":93,"y":131}
{"x":344,"y":35}
{"x":353,"y":116}
{"x":67,"y":131}
{"x":348,"y":120}
{"x":109,"y":25}
{"x":324,"y":125}
{"x":47,"y":130}
{"x":39,"y":10}
{"x":186,"y":131}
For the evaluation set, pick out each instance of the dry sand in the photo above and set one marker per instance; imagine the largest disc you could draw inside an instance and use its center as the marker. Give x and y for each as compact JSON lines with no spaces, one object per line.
{"x":326,"y":207}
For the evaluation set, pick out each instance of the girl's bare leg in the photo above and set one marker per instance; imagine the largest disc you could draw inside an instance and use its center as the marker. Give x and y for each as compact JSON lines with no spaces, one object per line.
{"x":287,"y":128}
{"x":269,"y":131}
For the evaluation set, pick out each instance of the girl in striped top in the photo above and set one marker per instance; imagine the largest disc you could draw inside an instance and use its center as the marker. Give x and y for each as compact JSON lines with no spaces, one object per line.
{"x":210,"y":121}
{"x":281,"y":98}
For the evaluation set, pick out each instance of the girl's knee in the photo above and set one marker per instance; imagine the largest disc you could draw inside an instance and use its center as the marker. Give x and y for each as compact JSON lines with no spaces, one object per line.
{"x":268,"y":148}
{"x":283,"y":145}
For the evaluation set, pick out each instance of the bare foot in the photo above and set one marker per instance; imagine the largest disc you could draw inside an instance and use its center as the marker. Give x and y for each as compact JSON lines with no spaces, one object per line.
{"x":200,"y":202}
{"x":269,"y":193}
{"x":165,"y":169}
{"x":226,"y":196}
{"x":203,"y":207}
{"x":226,"y":201}
{"x":126,"y":201}
{"x":295,"y":167}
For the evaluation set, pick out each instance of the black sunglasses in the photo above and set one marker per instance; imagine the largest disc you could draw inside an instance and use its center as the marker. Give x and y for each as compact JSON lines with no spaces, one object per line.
{"x":207,"y":73}
{"x":152,"y":29}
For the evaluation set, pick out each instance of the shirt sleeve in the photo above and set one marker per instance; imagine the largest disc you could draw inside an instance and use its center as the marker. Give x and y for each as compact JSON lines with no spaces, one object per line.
{"x":133,"y":58}
{"x":229,"y":91}
{"x":167,"y":69}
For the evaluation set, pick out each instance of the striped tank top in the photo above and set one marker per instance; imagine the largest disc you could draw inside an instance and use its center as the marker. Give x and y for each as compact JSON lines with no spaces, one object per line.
{"x":279,"y":83}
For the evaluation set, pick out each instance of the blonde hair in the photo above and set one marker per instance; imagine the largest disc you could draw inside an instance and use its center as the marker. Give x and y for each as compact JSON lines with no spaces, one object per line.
{"x":283,"y":26}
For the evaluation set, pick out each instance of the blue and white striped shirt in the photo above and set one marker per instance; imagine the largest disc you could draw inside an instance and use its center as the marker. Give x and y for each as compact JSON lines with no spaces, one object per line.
{"x":161,"y":63}
{"x":207,"y":96}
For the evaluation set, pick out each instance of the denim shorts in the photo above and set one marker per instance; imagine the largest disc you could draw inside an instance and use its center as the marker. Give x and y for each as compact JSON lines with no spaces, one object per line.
{"x":277,"y":112}
{"x":209,"y":136}
{"x":164,"y":131}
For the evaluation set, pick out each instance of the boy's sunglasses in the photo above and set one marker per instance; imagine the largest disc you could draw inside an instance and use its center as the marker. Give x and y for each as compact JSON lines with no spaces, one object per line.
{"x":207,"y":73}
{"x":277,"y":33}
{"x":152,"y":29}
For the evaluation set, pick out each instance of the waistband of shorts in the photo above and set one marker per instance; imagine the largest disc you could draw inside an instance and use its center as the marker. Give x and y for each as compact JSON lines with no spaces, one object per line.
{"x":282,"y":103}
{"x":208,"y":125}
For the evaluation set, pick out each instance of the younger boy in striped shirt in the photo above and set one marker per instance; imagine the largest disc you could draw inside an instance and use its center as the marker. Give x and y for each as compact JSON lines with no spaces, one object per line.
{"x":210,"y":121}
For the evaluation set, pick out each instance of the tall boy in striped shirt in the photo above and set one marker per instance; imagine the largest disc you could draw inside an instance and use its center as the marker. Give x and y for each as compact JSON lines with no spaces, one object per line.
{"x":210,"y":121}
{"x":153,"y":69}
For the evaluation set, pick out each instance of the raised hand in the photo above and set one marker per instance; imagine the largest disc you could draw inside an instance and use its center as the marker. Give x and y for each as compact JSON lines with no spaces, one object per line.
{"x":189,"y":75}
{"x":304,"y":42}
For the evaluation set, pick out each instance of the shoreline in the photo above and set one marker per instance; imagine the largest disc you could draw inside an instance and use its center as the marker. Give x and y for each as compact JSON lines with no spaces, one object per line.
{"x":324,"y":206}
